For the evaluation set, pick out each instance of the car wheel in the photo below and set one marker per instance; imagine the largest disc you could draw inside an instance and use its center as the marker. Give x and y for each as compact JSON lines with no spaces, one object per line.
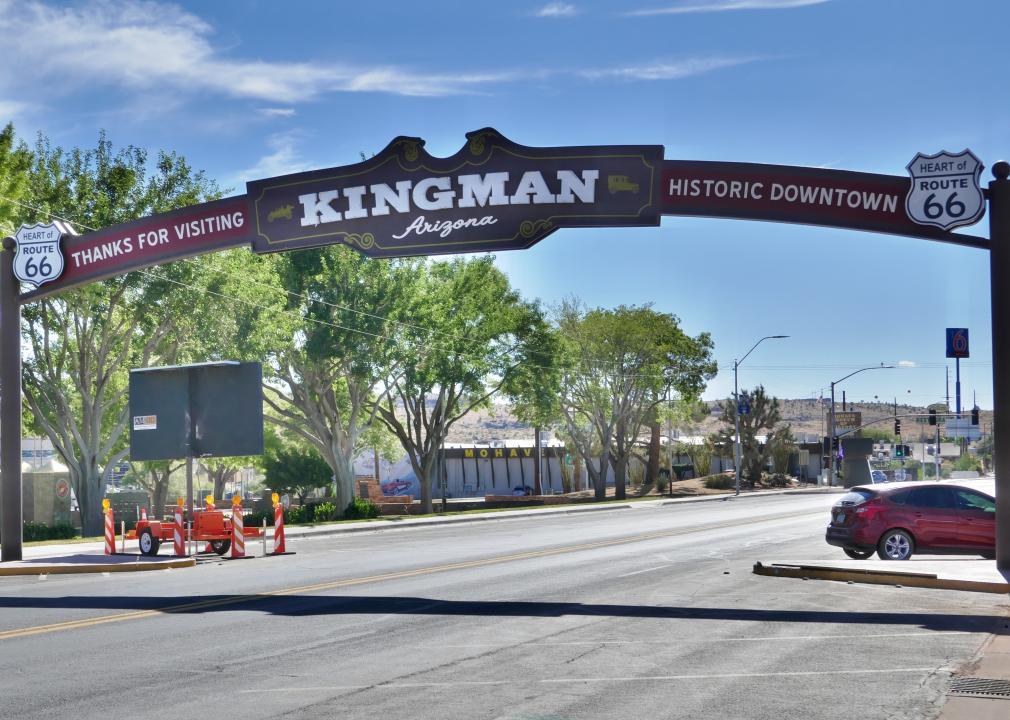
{"x":857,"y":554}
{"x":220,"y":546}
{"x":148,"y":543}
{"x":895,"y":545}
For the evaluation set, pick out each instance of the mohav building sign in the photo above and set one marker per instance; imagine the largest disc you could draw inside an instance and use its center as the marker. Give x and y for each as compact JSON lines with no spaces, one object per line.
{"x":491,"y":195}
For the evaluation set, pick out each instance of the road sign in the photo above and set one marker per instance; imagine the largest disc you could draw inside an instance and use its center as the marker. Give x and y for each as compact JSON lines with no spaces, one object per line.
{"x":743,"y":407}
{"x":945,"y":190}
{"x":38,"y":258}
{"x":850,"y":419}
{"x":62,"y":489}
{"x":957,"y":342}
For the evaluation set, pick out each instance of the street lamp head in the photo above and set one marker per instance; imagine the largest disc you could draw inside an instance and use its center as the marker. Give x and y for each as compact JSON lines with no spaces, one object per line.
{"x":777,"y":337}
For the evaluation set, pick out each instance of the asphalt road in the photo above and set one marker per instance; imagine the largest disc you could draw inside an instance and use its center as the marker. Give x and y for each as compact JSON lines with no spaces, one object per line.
{"x":642,"y":613}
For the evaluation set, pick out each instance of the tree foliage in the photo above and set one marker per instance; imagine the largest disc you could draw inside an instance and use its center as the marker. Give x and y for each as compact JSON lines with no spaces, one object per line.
{"x":619,"y":367}
{"x":764,"y":415}
{"x":468,"y":335}
{"x":296,"y":471}
{"x":82,"y":342}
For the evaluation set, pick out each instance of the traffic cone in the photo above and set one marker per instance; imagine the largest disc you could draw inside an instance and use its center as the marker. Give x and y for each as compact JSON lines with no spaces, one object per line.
{"x":237,"y":534}
{"x":179,"y":532}
{"x":110,"y":529}
{"x":143,"y":513}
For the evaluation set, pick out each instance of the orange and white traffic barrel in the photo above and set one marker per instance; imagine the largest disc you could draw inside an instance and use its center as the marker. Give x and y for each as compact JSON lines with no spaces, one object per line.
{"x":278,"y":525}
{"x":179,"y":531}
{"x":237,"y":534}
{"x":110,"y":528}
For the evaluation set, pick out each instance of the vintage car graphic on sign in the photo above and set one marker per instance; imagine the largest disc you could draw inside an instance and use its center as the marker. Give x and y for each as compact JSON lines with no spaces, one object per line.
{"x":38,"y":258}
{"x":945,"y":190}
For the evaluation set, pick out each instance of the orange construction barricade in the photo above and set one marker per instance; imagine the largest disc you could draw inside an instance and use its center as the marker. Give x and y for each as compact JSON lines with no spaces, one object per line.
{"x":179,"y":531}
{"x":110,"y":528}
{"x":237,"y":529}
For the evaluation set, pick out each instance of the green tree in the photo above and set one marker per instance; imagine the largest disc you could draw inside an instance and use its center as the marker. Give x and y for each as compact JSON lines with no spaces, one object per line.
{"x":15,"y":161}
{"x":469,"y":336}
{"x":619,"y":366}
{"x":322,"y":388}
{"x":83,"y":342}
{"x":295,"y":471}
{"x":764,"y":415}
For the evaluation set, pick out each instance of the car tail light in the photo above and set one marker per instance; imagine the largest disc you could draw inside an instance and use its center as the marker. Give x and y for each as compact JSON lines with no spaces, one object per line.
{"x":868,"y":509}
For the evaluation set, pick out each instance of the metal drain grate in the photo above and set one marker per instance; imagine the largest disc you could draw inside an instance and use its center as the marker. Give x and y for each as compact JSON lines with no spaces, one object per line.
{"x":980,"y":687}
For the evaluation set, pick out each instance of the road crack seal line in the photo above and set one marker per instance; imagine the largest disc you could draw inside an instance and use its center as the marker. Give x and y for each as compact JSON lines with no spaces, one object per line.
{"x":397,"y":575}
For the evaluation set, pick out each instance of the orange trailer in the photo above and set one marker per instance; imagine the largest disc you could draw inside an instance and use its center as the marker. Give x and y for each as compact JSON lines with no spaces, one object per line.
{"x":208,"y":526}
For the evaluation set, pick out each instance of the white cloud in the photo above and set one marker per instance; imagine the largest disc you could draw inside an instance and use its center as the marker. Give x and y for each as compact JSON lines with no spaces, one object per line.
{"x":725,"y":6}
{"x":557,"y":9}
{"x":666,"y":70}
{"x":277,"y":112}
{"x":11,"y":109}
{"x":283,"y":159}
{"x":144,"y":45}
{"x":907,"y":363}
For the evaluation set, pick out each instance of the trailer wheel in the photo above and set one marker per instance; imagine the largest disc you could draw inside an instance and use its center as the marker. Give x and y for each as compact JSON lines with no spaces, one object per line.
{"x":148,"y":543}
{"x":221,"y":547}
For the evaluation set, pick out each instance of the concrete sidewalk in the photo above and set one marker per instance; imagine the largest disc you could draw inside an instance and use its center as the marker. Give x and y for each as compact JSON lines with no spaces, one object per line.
{"x":981,"y":690}
{"x":89,"y":557}
{"x":938,"y":572}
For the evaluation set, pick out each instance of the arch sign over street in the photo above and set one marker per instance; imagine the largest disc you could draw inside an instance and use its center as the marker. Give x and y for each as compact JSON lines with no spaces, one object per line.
{"x":494,"y":194}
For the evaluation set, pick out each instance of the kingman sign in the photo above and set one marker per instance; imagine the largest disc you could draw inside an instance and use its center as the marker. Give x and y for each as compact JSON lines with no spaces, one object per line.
{"x":491,"y":195}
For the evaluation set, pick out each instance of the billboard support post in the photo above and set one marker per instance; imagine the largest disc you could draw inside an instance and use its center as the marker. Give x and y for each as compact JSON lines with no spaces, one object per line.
{"x":10,"y":406}
{"x":999,"y":270}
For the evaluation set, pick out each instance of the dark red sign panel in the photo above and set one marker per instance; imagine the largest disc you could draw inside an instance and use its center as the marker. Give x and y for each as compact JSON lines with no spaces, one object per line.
{"x":150,"y":241}
{"x":809,"y":196}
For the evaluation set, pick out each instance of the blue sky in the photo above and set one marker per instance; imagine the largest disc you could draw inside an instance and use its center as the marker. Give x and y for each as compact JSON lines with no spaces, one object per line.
{"x":252,"y":89}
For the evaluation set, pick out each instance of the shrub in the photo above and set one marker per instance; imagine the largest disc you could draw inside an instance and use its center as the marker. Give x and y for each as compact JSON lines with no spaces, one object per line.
{"x":41,"y":531}
{"x":294,"y":515}
{"x":324,"y":511}
{"x":720,"y":482}
{"x":361,"y":508}
{"x":256,"y":518}
{"x":778,"y":480}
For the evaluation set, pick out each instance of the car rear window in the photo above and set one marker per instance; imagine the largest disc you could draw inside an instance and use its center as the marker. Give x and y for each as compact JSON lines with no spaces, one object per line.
{"x":856,"y":497}
{"x":900,"y":497}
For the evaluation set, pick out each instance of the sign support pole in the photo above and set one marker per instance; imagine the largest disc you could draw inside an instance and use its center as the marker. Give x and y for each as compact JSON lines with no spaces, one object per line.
{"x":999,"y":269}
{"x":10,"y":407}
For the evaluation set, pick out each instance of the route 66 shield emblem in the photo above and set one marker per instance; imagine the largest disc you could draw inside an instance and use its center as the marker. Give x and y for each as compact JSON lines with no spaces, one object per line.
{"x":38,"y":258}
{"x":945,"y":190}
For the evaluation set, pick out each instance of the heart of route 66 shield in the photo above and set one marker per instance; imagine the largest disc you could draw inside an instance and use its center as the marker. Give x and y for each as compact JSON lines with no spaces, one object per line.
{"x":38,"y":258}
{"x":945,"y":190}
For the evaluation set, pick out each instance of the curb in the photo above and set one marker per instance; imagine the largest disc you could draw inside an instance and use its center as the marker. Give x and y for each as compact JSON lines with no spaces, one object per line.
{"x":67,"y":569}
{"x":879,"y":577}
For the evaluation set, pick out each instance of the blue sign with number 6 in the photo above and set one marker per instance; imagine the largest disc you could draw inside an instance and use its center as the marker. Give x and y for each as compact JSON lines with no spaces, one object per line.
{"x":957,"y":342}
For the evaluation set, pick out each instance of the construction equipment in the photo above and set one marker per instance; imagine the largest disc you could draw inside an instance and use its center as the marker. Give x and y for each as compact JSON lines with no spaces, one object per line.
{"x":210,"y":526}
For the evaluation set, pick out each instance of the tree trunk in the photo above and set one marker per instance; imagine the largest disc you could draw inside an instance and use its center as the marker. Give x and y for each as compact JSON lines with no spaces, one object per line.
{"x":652,"y":469}
{"x":600,"y":481}
{"x":424,"y":480}
{"x":343,"y":485}
{"x":89,"y":496}
{"x":620,"y":477}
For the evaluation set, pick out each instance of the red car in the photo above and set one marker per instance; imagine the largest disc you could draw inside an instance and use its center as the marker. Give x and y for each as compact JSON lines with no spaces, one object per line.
{"x":898,"y":519}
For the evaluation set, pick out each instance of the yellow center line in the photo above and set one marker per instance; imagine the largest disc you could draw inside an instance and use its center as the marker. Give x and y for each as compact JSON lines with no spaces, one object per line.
{"x":348,"y":582}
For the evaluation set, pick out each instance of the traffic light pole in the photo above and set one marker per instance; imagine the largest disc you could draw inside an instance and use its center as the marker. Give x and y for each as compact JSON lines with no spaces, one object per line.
{"x":999,"y":271}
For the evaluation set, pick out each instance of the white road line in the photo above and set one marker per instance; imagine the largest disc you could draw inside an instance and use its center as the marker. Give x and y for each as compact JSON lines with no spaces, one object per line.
{"x":557,"y":681}
{"x":639,"y":572}
{"x":861,"y":636}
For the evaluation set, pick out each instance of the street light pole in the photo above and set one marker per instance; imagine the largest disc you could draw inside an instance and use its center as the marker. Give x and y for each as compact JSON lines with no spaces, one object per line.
{"x":736,"y":406}
{"x":834,"y":430}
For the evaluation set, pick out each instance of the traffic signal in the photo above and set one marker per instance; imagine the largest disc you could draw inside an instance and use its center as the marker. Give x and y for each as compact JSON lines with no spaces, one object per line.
{"x":897,"y":426}
{"x":908,"y":451}
{"x":834,"y":443}
{"x":899,"y":450}
{"x":974,"y":416}
{"x":932,"y":416}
